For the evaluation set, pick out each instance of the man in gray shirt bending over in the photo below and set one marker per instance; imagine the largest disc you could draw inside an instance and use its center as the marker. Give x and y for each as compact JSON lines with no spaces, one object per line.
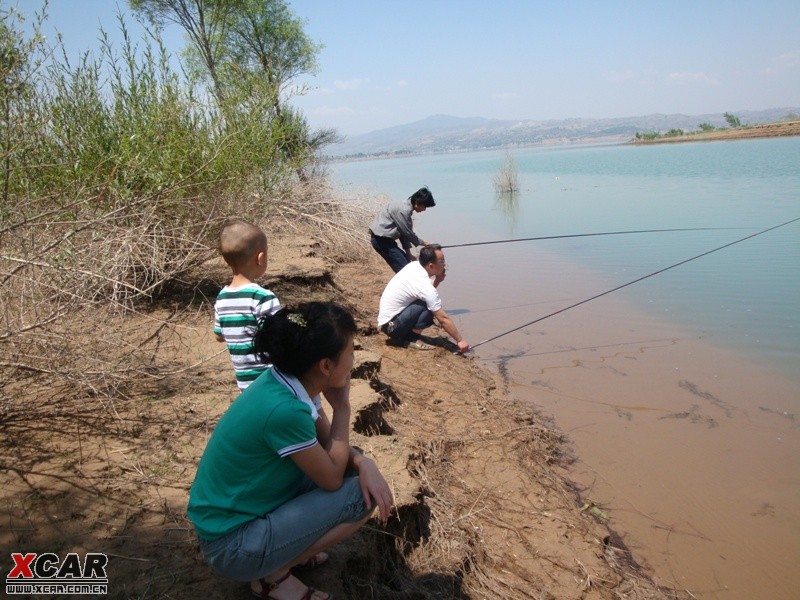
{"x":394,"y":222}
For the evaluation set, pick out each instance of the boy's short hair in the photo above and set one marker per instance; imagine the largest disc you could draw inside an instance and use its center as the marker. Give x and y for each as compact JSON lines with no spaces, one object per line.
{"x":239,"y":241}
{"x":423,"y":196}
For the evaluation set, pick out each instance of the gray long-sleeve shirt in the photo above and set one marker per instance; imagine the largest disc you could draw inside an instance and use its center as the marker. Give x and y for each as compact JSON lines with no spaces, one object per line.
{"x":394,"y":222}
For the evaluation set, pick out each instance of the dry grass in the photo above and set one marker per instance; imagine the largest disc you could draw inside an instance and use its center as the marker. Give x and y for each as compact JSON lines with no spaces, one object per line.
{"x":73,"y":275}
{"x":337,"y":220}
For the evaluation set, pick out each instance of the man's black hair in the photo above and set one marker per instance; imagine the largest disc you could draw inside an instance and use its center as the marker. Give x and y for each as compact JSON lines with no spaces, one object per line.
{"x":428,"y":254}
{"x":423,"y":196}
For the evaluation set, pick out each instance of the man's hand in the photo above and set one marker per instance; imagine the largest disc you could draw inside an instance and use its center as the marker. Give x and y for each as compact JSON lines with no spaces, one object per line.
{"x":463,"y":346}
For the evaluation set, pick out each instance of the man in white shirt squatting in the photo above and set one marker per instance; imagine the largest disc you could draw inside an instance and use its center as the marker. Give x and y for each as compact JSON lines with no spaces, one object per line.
{"x":411,"y":301}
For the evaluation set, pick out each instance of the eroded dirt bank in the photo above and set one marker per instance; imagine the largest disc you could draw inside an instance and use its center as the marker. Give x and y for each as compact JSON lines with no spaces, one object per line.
{"x":482,"y":509}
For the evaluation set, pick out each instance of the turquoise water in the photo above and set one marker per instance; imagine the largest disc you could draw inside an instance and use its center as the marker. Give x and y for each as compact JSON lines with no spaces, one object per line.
{"x":746,"y":296}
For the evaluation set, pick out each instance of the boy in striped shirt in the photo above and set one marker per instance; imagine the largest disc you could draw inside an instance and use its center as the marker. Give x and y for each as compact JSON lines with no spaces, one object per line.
{"x":243,"y":302}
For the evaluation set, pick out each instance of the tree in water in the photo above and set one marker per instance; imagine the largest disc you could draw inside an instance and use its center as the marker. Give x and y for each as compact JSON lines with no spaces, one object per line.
{"x":506,"y":180}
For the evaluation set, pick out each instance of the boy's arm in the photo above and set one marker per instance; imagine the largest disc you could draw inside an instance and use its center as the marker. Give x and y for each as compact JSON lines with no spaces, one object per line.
{"x":217,"y":327}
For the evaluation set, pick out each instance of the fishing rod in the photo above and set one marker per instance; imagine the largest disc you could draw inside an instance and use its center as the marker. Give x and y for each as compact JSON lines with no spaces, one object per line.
{"x":619,"y":287}
{"x":577,"y":235}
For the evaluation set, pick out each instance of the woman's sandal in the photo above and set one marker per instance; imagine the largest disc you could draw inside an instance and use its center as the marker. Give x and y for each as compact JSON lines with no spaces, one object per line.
{"x":313,"y":561}
{"x":269,"y":586}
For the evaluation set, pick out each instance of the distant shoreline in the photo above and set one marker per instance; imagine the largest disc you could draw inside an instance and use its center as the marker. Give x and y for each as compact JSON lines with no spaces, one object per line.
{"x":786,"y":128}
{"x":778,"y":129}
{"x":600,"y":141}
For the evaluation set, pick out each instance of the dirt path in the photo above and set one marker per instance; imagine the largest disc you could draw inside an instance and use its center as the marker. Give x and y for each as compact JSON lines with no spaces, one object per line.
{"x":483,"y":508}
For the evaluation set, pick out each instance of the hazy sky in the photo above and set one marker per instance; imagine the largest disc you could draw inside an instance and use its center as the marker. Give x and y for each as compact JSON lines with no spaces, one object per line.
{"x":391,"y":62}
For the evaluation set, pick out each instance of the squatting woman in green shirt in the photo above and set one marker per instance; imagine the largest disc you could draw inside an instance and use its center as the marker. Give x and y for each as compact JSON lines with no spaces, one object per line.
{"x":278,"y":481}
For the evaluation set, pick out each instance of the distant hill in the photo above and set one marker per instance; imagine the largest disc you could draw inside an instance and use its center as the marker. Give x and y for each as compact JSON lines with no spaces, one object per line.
{"x":443,"y":133}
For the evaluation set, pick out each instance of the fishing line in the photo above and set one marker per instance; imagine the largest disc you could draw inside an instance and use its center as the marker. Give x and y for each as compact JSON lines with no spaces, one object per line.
{"x":577,"y":235}
{"x":619,"y":287}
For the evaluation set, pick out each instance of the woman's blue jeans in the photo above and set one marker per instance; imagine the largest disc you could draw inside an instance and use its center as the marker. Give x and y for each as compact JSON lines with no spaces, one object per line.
{"x":267,"y":543}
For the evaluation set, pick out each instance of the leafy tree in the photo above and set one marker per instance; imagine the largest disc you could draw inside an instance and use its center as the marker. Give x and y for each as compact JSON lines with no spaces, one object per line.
{"x":266,"y":39}
{"x":732,"y":120}
{"x":20,"y":59}
{"x":204,"y":21}
{"x":265,"y":50}
{"x":251,"y":50}
{"x":235,"y":40}
{"x":706,"y":127}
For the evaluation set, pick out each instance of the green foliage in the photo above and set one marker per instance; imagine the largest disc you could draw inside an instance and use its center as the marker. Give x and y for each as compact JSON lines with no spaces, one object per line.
{"x":265,"y":38}
{"x":123,"y":122}
{"x":646,"y":136}
{"x":732,"y":120}
{"x":706,"y":127}
{"x":249,"y":51}
{"x":674,"y":133}
{"x":115,"y":174}
{"x":204,"y":22}
{"x":114,"y":170}
{"x":19,"y":111}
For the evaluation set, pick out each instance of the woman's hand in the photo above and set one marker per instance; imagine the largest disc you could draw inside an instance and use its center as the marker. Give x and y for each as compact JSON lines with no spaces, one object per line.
{"x":374,"y":488}
{"x":338,"y":398}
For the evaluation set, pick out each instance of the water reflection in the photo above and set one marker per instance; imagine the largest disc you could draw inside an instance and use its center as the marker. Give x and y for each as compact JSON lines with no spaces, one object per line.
{"x":507,"y":204}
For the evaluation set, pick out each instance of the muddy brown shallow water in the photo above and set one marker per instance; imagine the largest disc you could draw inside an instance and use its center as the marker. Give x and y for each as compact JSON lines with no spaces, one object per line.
{"x":691,"y":451}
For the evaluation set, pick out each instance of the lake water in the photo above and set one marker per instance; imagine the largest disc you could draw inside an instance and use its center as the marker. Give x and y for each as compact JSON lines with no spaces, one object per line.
{"x":680,"y":393}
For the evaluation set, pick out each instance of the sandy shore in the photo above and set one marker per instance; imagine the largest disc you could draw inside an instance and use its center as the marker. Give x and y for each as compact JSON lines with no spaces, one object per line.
{"x":757,"y":131}
{"x":484,"y":509}
{"x":484,"y":506}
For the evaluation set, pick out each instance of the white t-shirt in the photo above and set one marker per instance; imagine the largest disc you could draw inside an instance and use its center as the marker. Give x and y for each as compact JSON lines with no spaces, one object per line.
{"x":411,"y":283}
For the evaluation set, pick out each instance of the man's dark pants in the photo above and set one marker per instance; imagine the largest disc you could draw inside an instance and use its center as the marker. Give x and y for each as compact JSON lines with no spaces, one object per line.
{"x":390,"y":251}
{"x":414,"y":316}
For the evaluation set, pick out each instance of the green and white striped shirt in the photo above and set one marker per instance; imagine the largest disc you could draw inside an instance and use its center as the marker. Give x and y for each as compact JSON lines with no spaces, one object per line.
{"x":236,"y":315}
